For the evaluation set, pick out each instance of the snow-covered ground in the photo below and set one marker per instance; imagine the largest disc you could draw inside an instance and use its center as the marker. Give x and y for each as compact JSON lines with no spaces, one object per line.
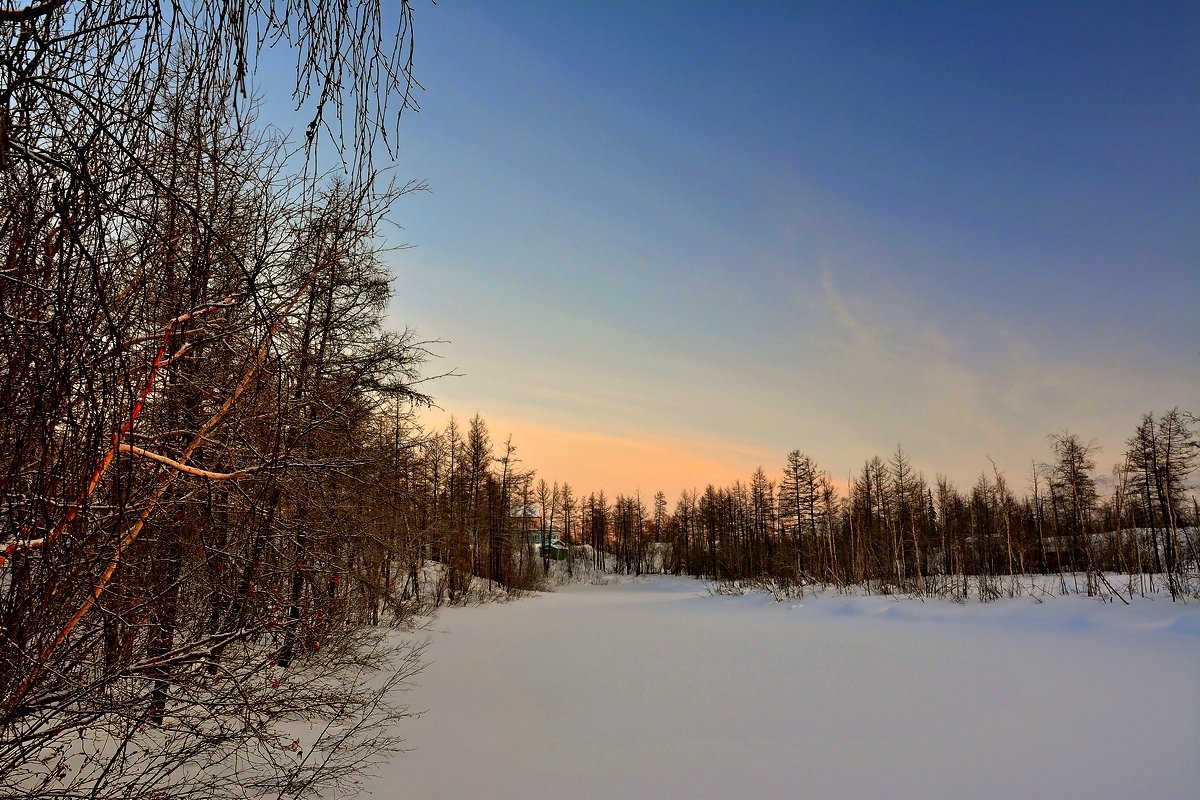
{"x":656,"y":689}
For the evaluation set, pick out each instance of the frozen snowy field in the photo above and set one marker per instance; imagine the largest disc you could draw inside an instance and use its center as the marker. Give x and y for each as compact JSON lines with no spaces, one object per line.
{"x":653,"y":689}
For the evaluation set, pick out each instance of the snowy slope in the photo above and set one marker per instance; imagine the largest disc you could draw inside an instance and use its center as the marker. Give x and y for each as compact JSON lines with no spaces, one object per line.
{"x":655,"y":689}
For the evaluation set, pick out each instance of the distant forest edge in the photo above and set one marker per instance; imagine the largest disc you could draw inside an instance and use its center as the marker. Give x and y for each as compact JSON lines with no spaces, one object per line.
{"x":892,"y":531}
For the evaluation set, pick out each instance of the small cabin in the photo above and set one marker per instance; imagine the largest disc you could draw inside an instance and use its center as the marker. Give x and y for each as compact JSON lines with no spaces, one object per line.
{"x":556,"y":549}
{"x":525,"y":518}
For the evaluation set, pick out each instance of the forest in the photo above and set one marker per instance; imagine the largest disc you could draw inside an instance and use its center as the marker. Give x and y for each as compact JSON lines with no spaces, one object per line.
{"x":890,"y":530}
{"x":217,"y":497}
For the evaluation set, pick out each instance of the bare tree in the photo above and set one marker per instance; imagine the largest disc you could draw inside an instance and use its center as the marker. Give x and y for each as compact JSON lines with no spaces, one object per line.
{"x":1073,"y":479}
{"x":192,"y":377}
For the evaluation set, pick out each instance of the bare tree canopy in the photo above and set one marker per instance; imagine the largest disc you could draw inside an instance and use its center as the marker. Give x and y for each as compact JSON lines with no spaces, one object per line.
{"x":194,"y":381}
{"x":107,"y":69}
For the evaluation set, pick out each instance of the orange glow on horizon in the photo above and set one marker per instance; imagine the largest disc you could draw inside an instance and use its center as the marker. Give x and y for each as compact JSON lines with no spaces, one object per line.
{"x":591,"y":462}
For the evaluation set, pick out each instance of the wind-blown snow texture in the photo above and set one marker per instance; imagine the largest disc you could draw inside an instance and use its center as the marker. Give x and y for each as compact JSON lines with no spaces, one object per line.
{"x":654,"y":689}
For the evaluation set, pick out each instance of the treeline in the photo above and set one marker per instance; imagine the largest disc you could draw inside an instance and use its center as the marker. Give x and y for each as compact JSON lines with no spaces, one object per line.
{"x":891,"y":529}
{"x":471,"y":508}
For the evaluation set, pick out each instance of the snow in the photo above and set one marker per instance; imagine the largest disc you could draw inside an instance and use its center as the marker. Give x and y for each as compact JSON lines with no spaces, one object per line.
{"x":657,"y":688}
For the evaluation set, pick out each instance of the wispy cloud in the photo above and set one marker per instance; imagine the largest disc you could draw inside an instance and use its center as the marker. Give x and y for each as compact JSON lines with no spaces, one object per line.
{"x":847,"y":319}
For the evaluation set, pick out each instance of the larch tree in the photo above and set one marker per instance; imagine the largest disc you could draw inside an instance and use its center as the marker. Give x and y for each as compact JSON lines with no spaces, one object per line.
{"x":1074,"y":480}
{"x":1161,"y":455}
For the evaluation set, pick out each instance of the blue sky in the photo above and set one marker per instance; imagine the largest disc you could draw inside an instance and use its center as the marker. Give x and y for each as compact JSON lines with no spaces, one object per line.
{"x":668,"y":242}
